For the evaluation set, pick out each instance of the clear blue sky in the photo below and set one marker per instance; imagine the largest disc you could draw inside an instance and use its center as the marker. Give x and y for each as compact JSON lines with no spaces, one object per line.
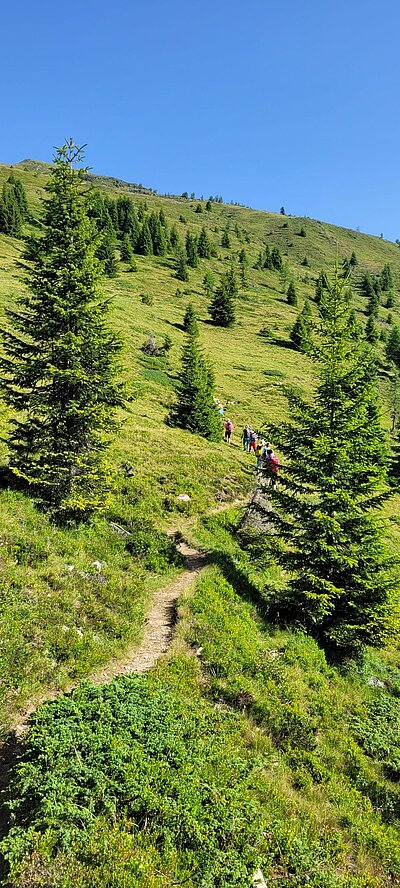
{"x":267,"y":102}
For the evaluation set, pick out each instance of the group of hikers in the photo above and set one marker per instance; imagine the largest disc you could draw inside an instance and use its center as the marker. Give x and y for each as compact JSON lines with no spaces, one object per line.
{"x":267,"y":462}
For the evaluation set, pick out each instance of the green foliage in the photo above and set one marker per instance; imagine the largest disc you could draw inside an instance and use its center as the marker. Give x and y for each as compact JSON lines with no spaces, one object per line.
{"x":106,"y":251}
{"x":386,"y":278}
{"x":225,"y":240}
{"x":243,"y":264}
{"x":353,"y":260}
{"x":301,"y":331}
{"x":371,"y":330}
{"x":190,"y":320}
{"x":291,"y":295}
{"x":192,"y":255}
{"x":208,"y":283}
{"x":203,"y":245}
{"x":276,"y":259}
{"x":59,"y":369}
{"x":144,"y":244}
{"x":194,"y":408}
{"x":181,"y":264}
{"x":222,"y":306}
{"x":327,"y":502}
{"x":393,"y":345}
{"x":11,"y":216}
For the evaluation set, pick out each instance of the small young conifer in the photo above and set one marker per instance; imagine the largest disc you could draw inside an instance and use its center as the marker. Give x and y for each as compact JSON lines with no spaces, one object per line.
{"x":371,"y":330}
{"x":209,"y":283}
{"x":106,"y":252}
{"x":60,"y":365}
{"x":222,"y":306}
{"x":203,"y":245}
{"x":189,"y":319}
{"x":291,"y":295}
{"x":191,"y":250}
{"x":181,"y":264}
{"x":144,"y":245}
{"x":225,"y":240}
{"x":301,"y":331}
{"x":393,"y":345}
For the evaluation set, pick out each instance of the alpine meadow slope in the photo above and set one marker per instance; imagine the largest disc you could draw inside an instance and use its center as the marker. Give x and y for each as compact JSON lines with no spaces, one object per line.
{"x":244,"y":747}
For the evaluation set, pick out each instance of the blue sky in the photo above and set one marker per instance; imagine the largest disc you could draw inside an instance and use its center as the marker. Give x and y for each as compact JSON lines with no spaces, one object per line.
{"x":267,"y":103}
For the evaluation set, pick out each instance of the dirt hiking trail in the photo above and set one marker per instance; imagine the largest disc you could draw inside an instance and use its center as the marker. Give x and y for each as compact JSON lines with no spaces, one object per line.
{"x":159,"y":623}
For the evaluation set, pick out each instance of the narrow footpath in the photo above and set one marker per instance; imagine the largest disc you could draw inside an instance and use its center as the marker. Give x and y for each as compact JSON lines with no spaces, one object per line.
{"x":159,"y":624}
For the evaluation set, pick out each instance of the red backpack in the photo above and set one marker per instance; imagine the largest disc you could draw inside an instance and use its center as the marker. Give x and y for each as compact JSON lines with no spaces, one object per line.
{"x":273,"y":464}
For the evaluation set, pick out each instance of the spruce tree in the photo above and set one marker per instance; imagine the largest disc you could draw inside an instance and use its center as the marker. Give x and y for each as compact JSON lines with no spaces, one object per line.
{"x":106,"y":252}
{"x":181,"y":264}
{"x":174,"y":237}
{"x":353,"y":260}
{"x":189,"y":320}
{"x":225,"y":240}
{"x":301,"y":332}
{"x":203,"y":245}
{"x":367,"y":285}
{"x":222,"y":306}
{"x":386,"y":278}
{"x":10,"y":214}
{"x":393,"y":346}
{"x":191,"y":250}
{"x":195,"y":407}
{"x":144,"y":245}
{"x":243,"y":264}
{"x":276,"y":259}
{"x":20,"y":195}
{"x":321,"y":285}
{"x":127,"y":252}
{"x":373,"y":304}
{"x":59,"y":366}
{"x":291,"y":295}
{"x":157,"y":233}
{"x":334,"y":480}
{"x":268,"y":264}
{"x":208,"y":283}
{"x":371,"y":330}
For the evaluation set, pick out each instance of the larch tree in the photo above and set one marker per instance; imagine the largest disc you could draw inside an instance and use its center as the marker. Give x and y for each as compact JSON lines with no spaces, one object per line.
{"x":60,"y":361}
{"x":331,"y":488}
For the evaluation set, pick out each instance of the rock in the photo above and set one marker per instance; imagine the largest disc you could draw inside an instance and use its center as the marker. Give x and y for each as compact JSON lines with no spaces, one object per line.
{"x":183,"y":497}
{"x":375,"y":682}
{"x":258,"y":880}
{"x":98,"y":565}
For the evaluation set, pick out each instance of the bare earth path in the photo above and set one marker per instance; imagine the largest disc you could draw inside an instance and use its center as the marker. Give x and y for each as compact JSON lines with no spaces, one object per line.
{"x":159,"y":624}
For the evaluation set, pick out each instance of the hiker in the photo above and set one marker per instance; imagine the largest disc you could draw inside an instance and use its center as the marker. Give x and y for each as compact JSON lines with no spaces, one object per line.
{"x":246,"y":438}
{"x":228,"y":426}
{"x":253,"y":440}
{"x":271,"y":468}
{"x":259,"y":452}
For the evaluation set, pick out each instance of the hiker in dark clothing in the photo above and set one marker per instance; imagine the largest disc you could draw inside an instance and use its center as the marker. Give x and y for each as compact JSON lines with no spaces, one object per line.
{"x":246,"y":438}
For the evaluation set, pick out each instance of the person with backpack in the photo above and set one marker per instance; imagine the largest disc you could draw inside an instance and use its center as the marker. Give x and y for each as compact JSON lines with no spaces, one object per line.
{"x":271,"y":468}
{"x":228,"y":426}
{"x":253,"y":440}
{"x":259,"y":453}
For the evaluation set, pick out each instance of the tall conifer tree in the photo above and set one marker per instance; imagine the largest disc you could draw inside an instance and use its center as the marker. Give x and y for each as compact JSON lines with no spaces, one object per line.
{"x":195,"y":407}
{"x":334,"y":480}
{"x":59,"y":369}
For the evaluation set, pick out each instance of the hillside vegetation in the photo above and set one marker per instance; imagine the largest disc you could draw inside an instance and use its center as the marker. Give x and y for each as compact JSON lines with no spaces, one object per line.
{"x":244,"y":748}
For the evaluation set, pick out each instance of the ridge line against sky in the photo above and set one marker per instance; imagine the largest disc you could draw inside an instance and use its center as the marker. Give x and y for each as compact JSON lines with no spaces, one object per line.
{"x":267,"y":104}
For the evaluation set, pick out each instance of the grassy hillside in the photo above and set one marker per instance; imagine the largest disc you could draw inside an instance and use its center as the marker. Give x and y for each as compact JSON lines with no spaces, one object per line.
{"x":312,"y":753}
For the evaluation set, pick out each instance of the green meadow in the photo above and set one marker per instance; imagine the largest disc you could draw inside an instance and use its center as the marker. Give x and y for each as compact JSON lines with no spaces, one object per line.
{"x":301,"y":775}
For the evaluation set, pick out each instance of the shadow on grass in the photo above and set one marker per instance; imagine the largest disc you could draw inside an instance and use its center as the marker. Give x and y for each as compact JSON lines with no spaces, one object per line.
{"x":237,"y":577}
